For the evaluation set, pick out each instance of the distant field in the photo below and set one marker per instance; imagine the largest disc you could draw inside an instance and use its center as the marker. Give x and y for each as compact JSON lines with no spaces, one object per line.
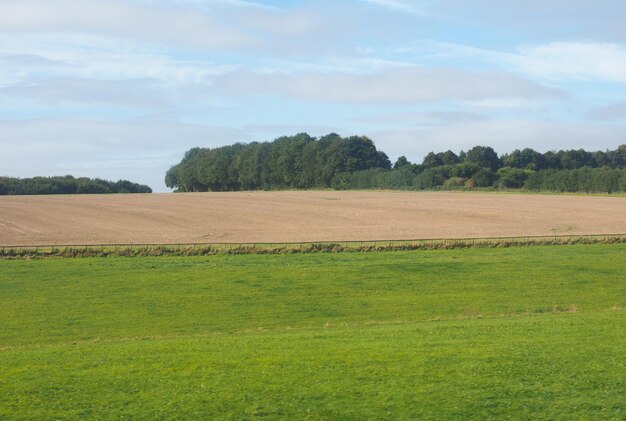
{"x":523,"y":333}
{"x":300,"y":216}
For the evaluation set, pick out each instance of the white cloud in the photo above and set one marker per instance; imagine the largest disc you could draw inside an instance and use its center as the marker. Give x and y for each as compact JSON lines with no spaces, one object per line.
{"x":18,"y":66}
{"x":573,"y":60}
{"x":394,"y":85}
{"x":153,"y":23}
{"x":553,"y":61}
{"x":133,"y":92}
{"x":403,"y":119}
{"x":96,"y":57}
{"x":219,"y":25}
{"x":27,"y":60}
{"x":62,"y":69}
{"x":579,"y":20}
{"x":610,"y":112}
{"x":270,"y":21}
{"x":405,"y":6}
{"x":511,"y":105}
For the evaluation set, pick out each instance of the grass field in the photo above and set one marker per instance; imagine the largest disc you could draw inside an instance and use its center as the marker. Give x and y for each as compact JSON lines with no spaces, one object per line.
{"x":523,"y":332}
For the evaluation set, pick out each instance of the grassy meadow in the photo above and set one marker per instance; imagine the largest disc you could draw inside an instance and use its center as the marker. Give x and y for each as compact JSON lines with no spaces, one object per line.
{"x":522,"y":332}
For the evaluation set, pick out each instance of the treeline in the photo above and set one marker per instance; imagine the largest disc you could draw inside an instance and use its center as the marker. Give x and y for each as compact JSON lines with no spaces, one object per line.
{"x":304,"y":162}
{"x":294,"y":162}
{"x":67,"y":185}
{"x":562,"y":171}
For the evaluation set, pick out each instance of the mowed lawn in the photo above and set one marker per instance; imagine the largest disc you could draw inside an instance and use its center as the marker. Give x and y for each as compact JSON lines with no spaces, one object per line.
{"x":525,"y":332}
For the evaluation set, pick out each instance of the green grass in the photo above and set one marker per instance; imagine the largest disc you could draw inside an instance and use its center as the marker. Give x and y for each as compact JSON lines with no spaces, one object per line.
{"x":523,"y":332}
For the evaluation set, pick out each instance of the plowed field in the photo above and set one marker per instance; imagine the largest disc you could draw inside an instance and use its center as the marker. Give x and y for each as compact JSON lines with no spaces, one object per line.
{"x":299,"y":217}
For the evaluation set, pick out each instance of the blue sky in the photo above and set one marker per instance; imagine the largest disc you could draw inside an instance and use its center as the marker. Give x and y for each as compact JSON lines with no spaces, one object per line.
{"x":121,"y":89}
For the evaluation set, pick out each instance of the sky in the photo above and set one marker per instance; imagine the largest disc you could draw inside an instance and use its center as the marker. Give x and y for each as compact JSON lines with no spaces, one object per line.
{"x":120,"y":89}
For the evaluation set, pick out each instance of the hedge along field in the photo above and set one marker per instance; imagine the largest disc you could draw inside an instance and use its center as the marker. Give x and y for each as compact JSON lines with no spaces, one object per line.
{"x":521,"y":332}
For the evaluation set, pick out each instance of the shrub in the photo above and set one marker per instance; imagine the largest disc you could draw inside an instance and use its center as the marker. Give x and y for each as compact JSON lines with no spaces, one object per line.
{"x":454,"y":182}
{"x":512,"y":178}
{"x":484,"y":178}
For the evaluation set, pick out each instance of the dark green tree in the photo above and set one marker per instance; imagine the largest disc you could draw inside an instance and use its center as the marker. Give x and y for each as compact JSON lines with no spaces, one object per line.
{"x":432,"y":160}
{"x":484,"y":157}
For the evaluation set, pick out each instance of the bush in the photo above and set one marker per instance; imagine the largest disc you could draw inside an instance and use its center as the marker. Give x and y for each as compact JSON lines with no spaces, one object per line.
{"x":484,"y":178}
{"x":512,"y":178}
{"x":454,"y":182}
{"x":431,"y":178}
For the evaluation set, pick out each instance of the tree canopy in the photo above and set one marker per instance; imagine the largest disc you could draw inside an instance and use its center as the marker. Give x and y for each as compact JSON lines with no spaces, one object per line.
{"x":299,"y":161}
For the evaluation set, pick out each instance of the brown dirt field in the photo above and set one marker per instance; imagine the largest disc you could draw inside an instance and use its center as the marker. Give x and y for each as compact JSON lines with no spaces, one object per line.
{"x":300,"y":216}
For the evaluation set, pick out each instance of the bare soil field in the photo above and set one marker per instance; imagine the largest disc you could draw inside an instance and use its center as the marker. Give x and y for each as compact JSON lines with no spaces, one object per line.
{"x":299,"y":216}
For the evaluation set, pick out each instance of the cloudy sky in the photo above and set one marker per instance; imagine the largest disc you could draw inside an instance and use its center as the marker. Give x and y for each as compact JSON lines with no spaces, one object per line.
{"x":122,"y":88}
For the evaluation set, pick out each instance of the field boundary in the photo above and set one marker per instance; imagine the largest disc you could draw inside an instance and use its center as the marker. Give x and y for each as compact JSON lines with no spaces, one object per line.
{"x":202,"y":249}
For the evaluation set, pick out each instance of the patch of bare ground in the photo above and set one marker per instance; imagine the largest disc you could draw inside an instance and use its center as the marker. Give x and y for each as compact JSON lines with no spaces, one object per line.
{"x":300,"y":216}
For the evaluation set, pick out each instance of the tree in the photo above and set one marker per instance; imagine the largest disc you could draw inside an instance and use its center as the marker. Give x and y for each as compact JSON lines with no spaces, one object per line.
{"x":483,"y":156}
{"x":298,"y":161}
{"x":552,"y":160}
{"x":432,"y":160}
{"x":525,"y":159}
{"x":449,"y":158}
{"x":401,"y":162}
{"x":572,"y":159}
